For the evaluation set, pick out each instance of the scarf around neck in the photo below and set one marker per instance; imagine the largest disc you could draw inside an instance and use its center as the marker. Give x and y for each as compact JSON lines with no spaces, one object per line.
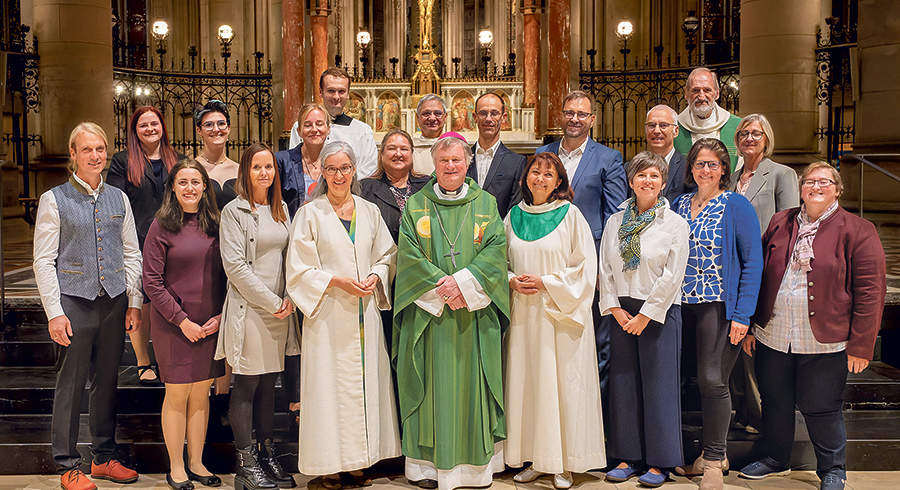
{"x":717,"y":118}
{"x":803,"y":251}
{"x":630,"y":232}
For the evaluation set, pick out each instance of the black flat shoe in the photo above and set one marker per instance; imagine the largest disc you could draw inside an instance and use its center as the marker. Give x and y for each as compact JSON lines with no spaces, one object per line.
{"x":148,"y":382}
{"x":427,"y":483}
{"x":207,"y":481}
{"x":185,"y":485}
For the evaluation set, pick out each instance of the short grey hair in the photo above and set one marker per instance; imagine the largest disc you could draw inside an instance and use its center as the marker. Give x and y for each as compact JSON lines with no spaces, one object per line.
{"x":330,"y":150}
{"x":644,"y":160}
{"x":429,"y":97}
{"x":698,"y":71}
{"x":448,"y":142}
{"x":665,"y":108}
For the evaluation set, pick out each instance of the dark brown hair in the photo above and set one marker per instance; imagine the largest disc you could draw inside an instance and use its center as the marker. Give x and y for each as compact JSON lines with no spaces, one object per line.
{"x":379,"y":170}
{"x":562,"y":192}
{"x":333,"y":72}
{"x":244,"y":187}
{"x":137,"y":159}
{"x":170,"y":215}
{"x":721,"y":152}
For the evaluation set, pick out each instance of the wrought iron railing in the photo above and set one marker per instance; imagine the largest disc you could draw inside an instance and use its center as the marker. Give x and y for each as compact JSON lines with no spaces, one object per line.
{"x":247,"y":90}
{"x":834,"y":58}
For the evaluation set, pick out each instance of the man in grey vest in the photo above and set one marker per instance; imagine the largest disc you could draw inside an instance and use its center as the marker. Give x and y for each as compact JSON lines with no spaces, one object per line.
{"x":88,"y":270}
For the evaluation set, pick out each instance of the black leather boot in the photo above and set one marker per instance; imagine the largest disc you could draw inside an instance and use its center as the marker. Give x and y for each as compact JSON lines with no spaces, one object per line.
{"x":273,"y":469}
{"x":250,"y":475}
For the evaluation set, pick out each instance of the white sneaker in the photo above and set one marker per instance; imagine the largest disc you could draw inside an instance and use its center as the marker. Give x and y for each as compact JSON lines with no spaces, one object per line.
{"x":527,"y":475}
{"x":562,"y":480}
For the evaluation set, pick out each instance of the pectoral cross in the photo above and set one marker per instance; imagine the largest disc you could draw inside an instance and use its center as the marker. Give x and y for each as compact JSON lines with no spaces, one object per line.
{"x":452,"y":255}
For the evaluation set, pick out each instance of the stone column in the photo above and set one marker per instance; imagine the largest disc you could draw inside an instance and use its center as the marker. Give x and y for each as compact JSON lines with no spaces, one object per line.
{"x":76,"y":77}
{"x":532,"y":31}
{"x":778,"y":72}
{"x":879,"y":93}
{"x":292,"y":48}
{"x":318,"y":17}
{"x":560,"y":31}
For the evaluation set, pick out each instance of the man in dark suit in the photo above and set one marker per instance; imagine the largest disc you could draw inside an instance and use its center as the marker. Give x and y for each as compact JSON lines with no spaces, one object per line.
{"x":662,"y":128}
{"x":598,"y":179}
{"x":496,"y":168}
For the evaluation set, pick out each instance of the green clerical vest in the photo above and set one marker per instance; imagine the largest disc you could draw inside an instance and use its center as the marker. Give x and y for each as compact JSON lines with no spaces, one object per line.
{"x":449,"y":368}
{"x":683,"y":141}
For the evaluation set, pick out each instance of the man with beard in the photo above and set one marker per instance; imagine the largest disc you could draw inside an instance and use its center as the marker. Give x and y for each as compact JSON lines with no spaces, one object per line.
{"x":431,"y":114}
{"x":662,"y":129}
{"x":497,"y":169}
{"x":597,"y":176}
{"x":334,"y":88}
{"x":703,"y":118}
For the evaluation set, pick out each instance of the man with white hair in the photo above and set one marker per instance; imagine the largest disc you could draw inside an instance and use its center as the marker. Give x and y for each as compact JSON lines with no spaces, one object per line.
{"x":431,"y":115}
{"x":662,"y":129}
{"x":703,"y":118}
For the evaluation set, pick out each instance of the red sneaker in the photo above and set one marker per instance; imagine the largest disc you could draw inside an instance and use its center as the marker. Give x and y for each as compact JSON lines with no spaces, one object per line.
{"x":113,"y":471}
{"x":75,"y":479}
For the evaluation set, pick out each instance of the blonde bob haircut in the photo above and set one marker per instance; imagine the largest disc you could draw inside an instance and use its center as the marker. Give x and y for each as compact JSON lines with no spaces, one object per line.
{"x":766,"y":128}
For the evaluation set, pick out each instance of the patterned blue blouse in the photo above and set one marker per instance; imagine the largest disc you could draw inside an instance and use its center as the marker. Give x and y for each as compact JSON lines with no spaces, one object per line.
{"x":703,"y":277}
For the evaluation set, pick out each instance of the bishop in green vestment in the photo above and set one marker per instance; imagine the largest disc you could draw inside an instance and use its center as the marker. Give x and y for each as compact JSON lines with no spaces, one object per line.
{"x":452,"y":305}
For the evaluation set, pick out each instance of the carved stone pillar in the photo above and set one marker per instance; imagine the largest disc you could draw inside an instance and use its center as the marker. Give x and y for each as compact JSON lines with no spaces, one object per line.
{"x":318,"y":15}
{"x":292,"y":61}
{"x":558,"y":82}
{"x":531,"y":11}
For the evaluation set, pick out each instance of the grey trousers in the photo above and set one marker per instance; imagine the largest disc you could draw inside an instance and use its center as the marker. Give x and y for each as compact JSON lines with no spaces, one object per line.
{"x":98,"y":339}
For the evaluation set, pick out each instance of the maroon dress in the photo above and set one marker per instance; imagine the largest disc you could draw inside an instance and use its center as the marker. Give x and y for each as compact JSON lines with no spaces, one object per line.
{"x":184,"y":278}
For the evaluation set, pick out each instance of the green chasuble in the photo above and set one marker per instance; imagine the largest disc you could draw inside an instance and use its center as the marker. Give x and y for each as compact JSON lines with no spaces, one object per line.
{"x":449,"y":368}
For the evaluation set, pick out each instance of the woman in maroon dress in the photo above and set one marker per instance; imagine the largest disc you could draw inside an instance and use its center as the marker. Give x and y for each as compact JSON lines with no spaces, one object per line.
{"x":185,"y":281}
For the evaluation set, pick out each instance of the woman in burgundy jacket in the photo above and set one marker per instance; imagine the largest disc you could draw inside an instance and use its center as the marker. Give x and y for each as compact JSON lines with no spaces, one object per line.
{"x":817,"y":317}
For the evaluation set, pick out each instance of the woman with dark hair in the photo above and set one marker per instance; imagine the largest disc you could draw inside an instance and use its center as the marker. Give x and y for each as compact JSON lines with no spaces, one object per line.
{"x":719,"y":292}
{"x":553,"y":413}
{"x":258,"y":326}
{"x":340,"y":264}
{"x":214,"y":125}
{"x":645,"y":250}
{"x":141,"y":172}
{"x":819,"y":312}
{"x":184,"y":279}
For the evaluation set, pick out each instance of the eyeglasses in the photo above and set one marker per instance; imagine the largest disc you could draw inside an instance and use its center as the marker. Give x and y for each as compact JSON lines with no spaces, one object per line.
{"x":490,"y":114}
{"x":211,"y":125}
{"x":813,"y":182}
{"x":712,"y":164}
{"x":757,"y":135}
{"x":581,"y":115}
{"x":663,"y":126}
{"x":344,"y":169}
{"x":428,"y":114}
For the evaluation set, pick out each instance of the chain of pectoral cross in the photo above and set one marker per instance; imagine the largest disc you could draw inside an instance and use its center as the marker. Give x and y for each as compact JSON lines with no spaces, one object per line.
{"x":453,"y":253}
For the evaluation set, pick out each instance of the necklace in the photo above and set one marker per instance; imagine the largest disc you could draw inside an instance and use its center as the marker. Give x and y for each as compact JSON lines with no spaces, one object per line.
{"x":453,"y":253}
{"x":210,"y":162}
{"x":341,"y":210}
{"x":308,"y":167}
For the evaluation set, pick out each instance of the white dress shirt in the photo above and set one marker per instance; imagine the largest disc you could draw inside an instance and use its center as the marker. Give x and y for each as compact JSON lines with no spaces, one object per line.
{"x":483,"y":160}
{"x":571,"y":159}
{"x":46,"y":249}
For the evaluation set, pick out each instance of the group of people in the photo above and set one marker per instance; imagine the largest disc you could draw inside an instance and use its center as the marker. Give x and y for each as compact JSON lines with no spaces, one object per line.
{"x":461,"y":305}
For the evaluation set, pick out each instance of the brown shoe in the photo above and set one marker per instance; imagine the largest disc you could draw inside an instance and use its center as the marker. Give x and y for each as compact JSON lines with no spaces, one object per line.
{"x":113,"y":471}
{"x":697,"y":468}
{"x":75,"y":479}
{"x":712,"y":476}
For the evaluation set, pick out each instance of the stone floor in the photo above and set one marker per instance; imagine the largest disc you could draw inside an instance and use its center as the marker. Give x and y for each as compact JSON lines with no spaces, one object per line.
{"x":799,"y":480}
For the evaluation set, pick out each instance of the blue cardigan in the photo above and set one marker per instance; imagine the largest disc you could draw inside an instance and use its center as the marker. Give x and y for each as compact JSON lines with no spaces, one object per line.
{"x":742,"y":261}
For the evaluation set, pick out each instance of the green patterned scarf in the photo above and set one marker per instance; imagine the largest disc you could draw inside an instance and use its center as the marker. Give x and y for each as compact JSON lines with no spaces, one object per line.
{"x":630,"y":232}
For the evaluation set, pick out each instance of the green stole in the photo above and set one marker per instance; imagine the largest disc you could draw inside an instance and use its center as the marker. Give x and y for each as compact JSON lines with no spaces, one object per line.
{"x":531,"y":226}
{"x":449,"y":368}
{"x":683,"y":141}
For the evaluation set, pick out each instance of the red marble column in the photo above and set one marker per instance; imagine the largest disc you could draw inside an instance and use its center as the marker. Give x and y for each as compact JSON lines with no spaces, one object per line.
{"x":318,"y":15}
{"x":532,"y":16}
{"x":292,"y":51}
{"x":558,"y":82}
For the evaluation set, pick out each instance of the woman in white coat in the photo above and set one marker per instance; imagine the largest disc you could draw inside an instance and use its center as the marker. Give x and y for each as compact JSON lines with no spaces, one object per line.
{"x":341,"y":260}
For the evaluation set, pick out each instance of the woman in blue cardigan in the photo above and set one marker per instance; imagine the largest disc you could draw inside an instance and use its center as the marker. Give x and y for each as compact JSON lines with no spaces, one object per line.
{"x":719,"y":291}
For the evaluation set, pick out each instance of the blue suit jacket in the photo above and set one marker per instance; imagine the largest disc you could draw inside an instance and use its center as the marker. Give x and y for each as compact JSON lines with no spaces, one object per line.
{"x":599,"y":184}
{"x":290,"y":172}
{"x":504,"y":178}
{"x":675,"y":186}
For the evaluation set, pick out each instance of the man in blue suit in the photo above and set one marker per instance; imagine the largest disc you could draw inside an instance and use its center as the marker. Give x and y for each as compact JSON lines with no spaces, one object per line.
{"x":598,"y":179}
{"x":496,"y":168}
{"x":662,"y":129}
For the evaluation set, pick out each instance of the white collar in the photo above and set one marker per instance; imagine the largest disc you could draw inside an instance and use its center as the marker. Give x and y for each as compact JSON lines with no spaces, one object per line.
{"x":562,"y":148}
{"x":463,"y":191}
{"x":87,"y":186}
{"x":491,"y":151}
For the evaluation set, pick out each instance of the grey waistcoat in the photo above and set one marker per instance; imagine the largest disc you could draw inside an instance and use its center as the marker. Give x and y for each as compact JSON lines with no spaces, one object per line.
{"x":91,"y":257}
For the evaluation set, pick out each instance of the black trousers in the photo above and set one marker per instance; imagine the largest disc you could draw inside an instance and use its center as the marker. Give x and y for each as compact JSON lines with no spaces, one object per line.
{"x":814,"y":383}
{"x":98,"y":339}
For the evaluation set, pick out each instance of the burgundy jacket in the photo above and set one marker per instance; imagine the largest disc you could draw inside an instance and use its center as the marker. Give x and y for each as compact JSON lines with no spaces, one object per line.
{"x":847,"y":283}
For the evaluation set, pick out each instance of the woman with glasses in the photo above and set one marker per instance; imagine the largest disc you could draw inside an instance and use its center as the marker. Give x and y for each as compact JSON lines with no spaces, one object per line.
{"x":141,"y":172}
{"x":214,"y":125}
{"x":340,"y":264}
{"x":719,"y":291}
{"x":819,"y":312}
